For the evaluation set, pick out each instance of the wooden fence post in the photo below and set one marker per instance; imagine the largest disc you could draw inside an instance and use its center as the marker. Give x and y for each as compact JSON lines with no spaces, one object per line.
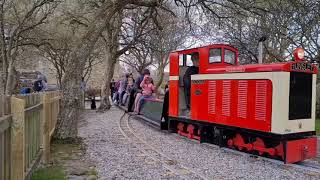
{"x":17,"y":138}
{"x":46,"y":128}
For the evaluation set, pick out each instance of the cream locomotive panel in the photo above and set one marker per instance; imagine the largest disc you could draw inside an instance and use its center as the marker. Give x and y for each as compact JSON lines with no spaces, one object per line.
{"x":280,"y":107}
{"x":280,"y":123}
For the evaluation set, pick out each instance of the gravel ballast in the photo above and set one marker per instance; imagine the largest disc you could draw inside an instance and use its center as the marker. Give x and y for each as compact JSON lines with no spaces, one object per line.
{"x":117,"y":158}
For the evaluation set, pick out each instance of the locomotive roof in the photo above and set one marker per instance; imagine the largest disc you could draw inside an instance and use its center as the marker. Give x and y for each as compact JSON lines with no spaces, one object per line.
{"x":207,"y":46}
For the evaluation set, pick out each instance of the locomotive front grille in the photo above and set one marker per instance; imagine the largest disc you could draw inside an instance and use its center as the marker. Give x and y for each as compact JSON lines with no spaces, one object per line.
{"x":300,"y":97}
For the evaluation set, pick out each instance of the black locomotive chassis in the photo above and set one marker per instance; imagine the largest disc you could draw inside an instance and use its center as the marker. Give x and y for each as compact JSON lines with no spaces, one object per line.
{"x":219,"y":134}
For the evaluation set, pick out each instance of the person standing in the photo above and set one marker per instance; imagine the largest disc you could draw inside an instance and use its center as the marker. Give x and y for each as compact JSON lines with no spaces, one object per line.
{"x":194,"y":69}
{"x":83,"y":85}
{"x":123,"y":87}
{"x":112,"y":87}
{"x":116,"y":93}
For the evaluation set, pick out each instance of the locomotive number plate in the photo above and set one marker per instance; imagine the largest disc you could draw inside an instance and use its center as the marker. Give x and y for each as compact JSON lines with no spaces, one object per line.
{"x":301,"y":67}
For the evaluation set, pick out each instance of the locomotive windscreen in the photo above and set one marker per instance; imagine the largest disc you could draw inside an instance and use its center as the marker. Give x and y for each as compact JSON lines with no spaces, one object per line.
{"x":300,"y":99}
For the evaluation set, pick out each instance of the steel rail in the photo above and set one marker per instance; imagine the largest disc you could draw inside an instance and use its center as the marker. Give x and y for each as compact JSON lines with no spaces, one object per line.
{"x":154,"y":154}
{"x":305,"y":165}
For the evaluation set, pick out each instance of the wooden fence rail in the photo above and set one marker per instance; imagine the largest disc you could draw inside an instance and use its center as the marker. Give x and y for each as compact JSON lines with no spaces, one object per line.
{"x":26,"y":126}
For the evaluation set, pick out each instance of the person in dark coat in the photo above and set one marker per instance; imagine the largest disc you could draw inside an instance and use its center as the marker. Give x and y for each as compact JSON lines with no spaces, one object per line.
{"x":194,"y":69}
{"x":116,"y":96}
{"x":93,"y":103}
{"x":112,"y":87}
{"x":136,"y":89}
{"x":123,"y":87}
{"x":165,"y":111}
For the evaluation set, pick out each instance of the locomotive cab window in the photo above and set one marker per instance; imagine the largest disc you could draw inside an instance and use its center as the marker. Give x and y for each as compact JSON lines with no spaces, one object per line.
{"x":185,"y":60}
{"x":229,"y":57}
{"x":189,"y":61}
{"x":181,"y":60}
{"x":215,"y":55}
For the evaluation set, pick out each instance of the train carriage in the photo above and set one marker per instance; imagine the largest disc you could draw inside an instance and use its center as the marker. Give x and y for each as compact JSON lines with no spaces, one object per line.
{"x":265,"y":109}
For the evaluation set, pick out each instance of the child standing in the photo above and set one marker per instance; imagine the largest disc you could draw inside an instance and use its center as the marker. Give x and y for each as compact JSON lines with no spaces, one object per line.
{"x":147,"y":90}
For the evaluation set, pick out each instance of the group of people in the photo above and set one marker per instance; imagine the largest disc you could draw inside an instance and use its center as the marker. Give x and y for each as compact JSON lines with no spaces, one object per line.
{"x":39,"y":85}
{"x":133,"y":92}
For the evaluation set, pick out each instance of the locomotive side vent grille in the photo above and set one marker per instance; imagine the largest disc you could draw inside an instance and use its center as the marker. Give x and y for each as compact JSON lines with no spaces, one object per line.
{"x":226,"y":98}
{"x":212,"y":97}
{"x":300,"y":98}
{"x":242,"y":99}
{"x":261,"y":100}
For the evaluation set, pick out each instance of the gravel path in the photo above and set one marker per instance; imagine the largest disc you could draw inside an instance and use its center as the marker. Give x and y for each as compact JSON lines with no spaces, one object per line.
{"x":116,"y":158}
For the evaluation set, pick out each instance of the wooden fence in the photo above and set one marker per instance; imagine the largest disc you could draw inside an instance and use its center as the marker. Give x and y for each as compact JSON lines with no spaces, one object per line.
{"x":5,"y":138}
{"x":26,"y":126}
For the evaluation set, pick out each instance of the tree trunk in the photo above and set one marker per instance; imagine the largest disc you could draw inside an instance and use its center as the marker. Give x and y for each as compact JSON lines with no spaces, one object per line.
{"x":66,"y":127}
{"x":112,"y":46}
{"x":12,"y":80}
{"x":105,"y":90}
{"x":160,"y":76}
{"x":2,"y":83}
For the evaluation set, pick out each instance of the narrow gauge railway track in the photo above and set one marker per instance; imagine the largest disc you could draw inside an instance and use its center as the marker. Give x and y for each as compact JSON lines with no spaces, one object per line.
{"x":306,"y":165}
{"x":148,"y":150}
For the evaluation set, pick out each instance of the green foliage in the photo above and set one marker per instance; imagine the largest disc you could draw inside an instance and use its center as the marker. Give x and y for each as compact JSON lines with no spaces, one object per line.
{"x":93,"y":172}
{"x":318,"y":77}
{"x":163,"y":85}
{"x":318,"y":126}
{"x":49,"y":173}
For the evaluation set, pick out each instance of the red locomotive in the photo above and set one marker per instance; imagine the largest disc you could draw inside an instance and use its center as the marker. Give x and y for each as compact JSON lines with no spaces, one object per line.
{"x":264,"y":109}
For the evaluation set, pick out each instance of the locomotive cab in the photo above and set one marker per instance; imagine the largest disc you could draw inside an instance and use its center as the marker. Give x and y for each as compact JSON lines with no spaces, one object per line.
{"x":220,"y":56}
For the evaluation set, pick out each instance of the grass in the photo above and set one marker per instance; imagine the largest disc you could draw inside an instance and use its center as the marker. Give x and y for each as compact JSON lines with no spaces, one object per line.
{"x":318,"y":126}
{"x":60,"y":153}
{"x":49,"y":173}
{"x":93,"y":172}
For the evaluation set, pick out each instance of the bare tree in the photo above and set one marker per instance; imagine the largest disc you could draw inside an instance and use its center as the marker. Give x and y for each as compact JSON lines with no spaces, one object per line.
{"x":286,"y":24}
{"x":58,"y":54}
{"x":18,"y":20}
{"x":106,"y":19}
{"x":162,"y":41}
{"x":139,"y":17}
{"x":139,"y":58}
